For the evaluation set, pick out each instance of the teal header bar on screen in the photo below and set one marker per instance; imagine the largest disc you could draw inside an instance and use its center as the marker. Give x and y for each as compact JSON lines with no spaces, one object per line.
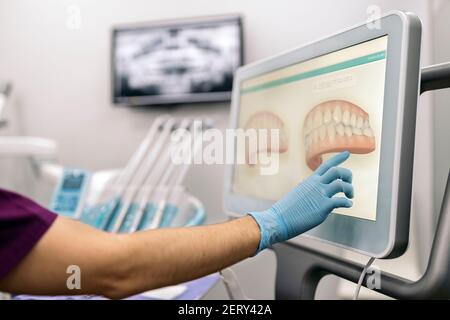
{"x":317,"y":72}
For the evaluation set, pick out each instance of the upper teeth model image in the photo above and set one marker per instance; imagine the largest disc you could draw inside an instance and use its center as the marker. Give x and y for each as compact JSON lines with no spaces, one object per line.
{"x":334,"y":126}
{"x":266,"y":120}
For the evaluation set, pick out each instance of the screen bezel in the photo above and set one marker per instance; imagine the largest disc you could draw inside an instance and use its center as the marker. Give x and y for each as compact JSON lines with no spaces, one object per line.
{"x":173,"y":99}
{"x":376,"y":238}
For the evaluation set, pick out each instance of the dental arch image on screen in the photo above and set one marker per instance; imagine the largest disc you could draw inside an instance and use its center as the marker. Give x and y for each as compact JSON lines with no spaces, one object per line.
{"x":321,"y":106}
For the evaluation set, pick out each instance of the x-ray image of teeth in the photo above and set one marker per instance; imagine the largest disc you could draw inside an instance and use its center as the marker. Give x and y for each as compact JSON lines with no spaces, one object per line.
{"x":266,"y":120}
{"x":334,"y":126}
{"x":176,"y":60}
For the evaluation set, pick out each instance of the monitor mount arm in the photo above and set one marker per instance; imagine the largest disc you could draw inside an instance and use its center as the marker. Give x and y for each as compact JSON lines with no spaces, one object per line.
{"x":299,"y":268}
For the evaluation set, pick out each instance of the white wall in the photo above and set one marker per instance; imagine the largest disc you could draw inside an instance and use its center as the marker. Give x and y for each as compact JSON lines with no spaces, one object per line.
{"x":61,"y":79}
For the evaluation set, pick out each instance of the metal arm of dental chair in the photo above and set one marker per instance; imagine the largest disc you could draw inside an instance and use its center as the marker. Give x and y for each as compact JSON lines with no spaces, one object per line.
{"x":299,"y":268}
{"x":435,"y":77}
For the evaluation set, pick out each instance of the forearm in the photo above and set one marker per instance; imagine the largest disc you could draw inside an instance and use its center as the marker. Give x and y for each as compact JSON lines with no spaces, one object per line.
{"x":169,"y":256}
{"x":121,"y":265}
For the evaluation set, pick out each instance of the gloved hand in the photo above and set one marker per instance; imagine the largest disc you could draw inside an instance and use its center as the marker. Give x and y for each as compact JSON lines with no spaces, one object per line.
{"x":308,"y":204}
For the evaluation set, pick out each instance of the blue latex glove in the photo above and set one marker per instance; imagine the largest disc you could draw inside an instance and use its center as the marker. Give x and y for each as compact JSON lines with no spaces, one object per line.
{"x":308,"y":204}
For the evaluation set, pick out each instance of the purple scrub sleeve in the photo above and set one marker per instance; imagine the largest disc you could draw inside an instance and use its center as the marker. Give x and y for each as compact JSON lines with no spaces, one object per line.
{"x":22,"y":223}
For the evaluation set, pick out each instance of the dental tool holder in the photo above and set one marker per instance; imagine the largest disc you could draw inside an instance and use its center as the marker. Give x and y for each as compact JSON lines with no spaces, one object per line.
{"x":299,"y":268}
{"x":147,"y":193}
{"x":180,"y":209}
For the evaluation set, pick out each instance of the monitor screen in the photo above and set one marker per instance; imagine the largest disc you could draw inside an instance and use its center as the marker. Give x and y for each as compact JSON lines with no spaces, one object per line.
{"x":176,"y":62}
{"x":321,"y":106}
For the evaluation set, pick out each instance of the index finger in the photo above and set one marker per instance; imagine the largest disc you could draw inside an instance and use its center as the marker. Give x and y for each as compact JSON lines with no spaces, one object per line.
{"x":333,"y":162}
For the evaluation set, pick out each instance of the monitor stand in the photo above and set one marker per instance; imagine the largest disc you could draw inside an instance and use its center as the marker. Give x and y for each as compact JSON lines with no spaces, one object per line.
{"x":299,"y":268}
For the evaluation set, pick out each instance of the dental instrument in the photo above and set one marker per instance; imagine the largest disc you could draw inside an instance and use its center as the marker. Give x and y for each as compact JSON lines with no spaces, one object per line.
{"x":156,"y":221}
{"x":142,"y":172}
{"x":159,"y":178}
{"x":174,"y":216}
{"x":127,"y":174}
{"x":138,"y":156}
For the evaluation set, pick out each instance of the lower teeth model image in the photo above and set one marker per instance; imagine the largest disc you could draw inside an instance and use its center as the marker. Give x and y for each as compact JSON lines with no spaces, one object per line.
{"x":266,"y":120}
{"x":334,"y":126}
